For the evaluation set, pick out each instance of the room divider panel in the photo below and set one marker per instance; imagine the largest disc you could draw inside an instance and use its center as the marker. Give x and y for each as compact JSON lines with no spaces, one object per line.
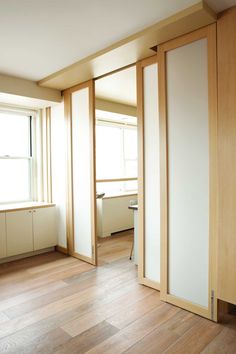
{"x":188,"y":113}
{"x":81,"y":205}
{"x":149,"y":173}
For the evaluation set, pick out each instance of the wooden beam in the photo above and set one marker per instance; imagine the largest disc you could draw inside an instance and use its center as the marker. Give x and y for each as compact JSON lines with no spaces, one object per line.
{"x":131,"y":49}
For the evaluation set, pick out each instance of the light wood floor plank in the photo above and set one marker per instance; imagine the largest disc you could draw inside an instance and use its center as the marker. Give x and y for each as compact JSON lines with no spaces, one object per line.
{"x":88,"y":339}
{"x":57,"y":304}
{"x":128,"y":336}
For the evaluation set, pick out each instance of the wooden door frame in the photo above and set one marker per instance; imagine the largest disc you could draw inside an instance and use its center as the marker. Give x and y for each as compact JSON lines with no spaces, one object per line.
{"x":70,"y":199}
{"x":208,"y":32}
{"x":141,"y":172}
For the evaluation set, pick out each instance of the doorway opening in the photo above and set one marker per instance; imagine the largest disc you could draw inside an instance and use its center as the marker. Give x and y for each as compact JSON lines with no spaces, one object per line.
{"x":116,"y":166}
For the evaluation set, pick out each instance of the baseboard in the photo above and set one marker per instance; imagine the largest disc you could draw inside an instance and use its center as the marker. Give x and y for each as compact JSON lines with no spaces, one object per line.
{"x":26,"y":255}
{"x":61,"y":249}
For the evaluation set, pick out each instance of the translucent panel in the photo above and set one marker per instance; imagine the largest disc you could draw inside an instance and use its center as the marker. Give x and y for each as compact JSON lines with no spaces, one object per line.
{"x":14,"y":180}
{"x":130,"y":144}
{"x":188,"y":157}
{"x":14,"y":134}
{"x":82,"y":173}
{"x":109,"y":148}
{"x":152,"y":174}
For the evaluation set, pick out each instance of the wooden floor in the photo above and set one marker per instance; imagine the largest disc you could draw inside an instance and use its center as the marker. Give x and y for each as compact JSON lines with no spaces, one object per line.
{"x":56,"y":304}
{"x":114,"y":247}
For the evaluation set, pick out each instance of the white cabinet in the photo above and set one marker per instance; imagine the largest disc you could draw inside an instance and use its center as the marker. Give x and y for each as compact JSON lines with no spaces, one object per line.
{"x":44,"y":227}
{"x":19,"y":230}
{"x":3,"y":243}
{"x":28,"y":230}
{"x":113,"y":214}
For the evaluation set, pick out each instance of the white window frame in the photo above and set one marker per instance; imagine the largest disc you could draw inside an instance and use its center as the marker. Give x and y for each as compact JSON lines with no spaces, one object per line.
{"x":123,"y":126}
{"x":32,"y":151}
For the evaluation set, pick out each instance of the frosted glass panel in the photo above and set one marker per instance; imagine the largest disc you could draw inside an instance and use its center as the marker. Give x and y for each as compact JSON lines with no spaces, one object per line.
{"x":188,"y":158}
{"x":152,"y":174}
{"x":81,"y":173}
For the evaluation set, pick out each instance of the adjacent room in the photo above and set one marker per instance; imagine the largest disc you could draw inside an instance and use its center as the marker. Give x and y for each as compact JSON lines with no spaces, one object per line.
{"x":117,"y":176}
{"x":116,"y":164}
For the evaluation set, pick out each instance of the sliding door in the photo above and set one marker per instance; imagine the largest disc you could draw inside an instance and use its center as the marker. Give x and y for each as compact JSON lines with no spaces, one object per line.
{"x":81,"y":220}
{"x":149,"y":173}
{"x":188,"y":168}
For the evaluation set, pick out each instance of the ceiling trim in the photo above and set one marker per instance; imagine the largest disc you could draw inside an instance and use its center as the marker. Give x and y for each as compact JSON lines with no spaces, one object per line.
{"x":27,"y":88}
{"x":131,"y":49}
{"x":115,"y":107}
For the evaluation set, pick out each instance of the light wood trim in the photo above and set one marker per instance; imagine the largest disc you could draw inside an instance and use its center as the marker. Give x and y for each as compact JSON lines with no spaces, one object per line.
{"x":208,"y":32}
{"x":116,"y":180}
{"x":92,"y":118}
{"x":131,"y":49}
{"x":163,"y":171}
{"x":141,"y":176}
{"x":151,"y":283}
{"x":189,"y":306}
{"x":62,"y":250}
{"x":81,"y":257}
{"x":70,"y":197}
{"x":48,"y":155}
{"x":69,"y":194}
{"x":78,"y":87}
{"x":213,"y":152}
{"x":148,"y":61}
{"x":226,"y":29}
{"x":186,"y":39}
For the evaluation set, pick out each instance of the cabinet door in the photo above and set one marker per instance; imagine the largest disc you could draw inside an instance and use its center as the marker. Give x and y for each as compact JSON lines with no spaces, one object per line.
{"x":19,"y":232}
{"x":44,"y":225}
{"x":3,"y":250}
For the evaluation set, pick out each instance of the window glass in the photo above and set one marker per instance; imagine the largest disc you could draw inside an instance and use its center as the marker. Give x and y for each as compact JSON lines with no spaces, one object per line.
{"x":130,"y":144}
{"x":14,"y":134}
{"x":15,"y":157}
{"x":116,"y":155}
{"x":108,"y":152}
{"x":14,"y":180}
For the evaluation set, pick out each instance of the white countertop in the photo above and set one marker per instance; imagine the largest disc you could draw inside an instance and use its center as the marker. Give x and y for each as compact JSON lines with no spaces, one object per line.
{"x":119,"y":194}
{"x":24,"y":206}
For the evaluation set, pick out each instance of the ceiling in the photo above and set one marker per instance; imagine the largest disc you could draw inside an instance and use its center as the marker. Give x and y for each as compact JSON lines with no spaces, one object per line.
{"x":39,"y":38}
{"x":119,"y":87}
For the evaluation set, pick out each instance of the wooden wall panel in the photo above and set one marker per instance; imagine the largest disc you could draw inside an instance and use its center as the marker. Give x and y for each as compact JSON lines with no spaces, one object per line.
{"x":226,"y":29}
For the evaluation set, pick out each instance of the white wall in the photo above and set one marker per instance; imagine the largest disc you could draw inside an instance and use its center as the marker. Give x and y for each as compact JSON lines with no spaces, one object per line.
{"x":59,"y":167}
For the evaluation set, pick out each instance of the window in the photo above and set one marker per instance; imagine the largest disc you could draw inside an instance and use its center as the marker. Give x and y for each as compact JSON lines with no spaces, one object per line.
{"x":116,"y":154}
{"x":15,"y":157}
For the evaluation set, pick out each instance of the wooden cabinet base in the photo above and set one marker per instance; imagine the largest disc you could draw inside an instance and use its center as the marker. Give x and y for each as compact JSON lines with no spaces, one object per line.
{"x":26,"y":255}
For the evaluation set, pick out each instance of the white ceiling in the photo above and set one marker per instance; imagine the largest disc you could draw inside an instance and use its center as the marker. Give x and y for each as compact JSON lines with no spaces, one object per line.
{"x":119,"y":87}
{"x":41,"y":37}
